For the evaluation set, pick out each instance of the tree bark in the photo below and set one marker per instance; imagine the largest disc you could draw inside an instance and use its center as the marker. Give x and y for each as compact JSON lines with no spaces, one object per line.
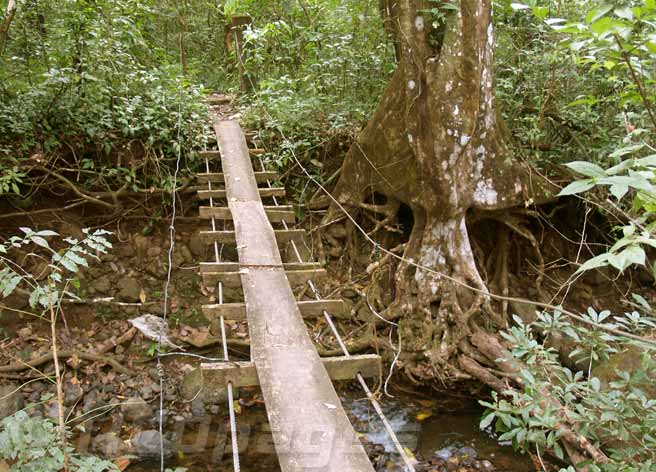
{"x":437,"y":144}
{"x":10,"y":12}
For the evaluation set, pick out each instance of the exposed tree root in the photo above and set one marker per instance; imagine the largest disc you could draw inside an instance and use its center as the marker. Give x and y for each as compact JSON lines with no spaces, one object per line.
{"x":22,"y":366}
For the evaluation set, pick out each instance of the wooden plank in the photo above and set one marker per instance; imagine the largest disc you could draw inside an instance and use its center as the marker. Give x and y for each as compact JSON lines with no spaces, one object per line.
{"x":219,"y":177}
{"x":282,"y":236}
{"x":235,"y":266}
{"x":210,"y":155}
{"x":287,"y":364}
{"x":232,"y":279}
{"x":220,"y":193}
{"x":309,"y":309}
{"x":276,"y":214}
{"x":217,"y":375}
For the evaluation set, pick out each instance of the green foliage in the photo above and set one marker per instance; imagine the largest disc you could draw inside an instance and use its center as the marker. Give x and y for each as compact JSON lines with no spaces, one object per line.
{"x":617,"y":413}
{"x":32,"y":445}
{"x":91,"y":84}
{"x":68,"y":260}
{"x":320,"y":68}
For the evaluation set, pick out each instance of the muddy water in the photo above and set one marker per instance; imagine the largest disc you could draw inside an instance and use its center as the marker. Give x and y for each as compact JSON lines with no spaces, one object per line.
{"x":428,"y":432}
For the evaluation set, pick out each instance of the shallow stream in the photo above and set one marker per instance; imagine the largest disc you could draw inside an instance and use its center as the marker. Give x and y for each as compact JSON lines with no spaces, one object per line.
{"x":432,"y":433}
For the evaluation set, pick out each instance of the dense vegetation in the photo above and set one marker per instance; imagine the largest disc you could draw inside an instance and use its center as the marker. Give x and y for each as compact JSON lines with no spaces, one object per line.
{"x":99,"y":98}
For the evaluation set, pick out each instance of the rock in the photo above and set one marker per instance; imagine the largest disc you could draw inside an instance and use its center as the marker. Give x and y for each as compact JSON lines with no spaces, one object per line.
{"x":187,"y":256}
{"x":444,"y":454}
{"x":10,"y":400}
{"x":197,"y":246}
{"x":136,"y":409}
{"x":141,"y":245}
{"x":102,"y":285}
{"x":72,"y":393}
{"x":193,"y":386}
{"x":525,"y":311}
{"x":466,"y":455}
{"x":51,"y":410}
{"x":129,"y":289}
{"x":146,"y":444}
{"x":146,"y":392}
{"x":198,"y":408}
{"x":485,"y":466}
{"x":108,"y":445}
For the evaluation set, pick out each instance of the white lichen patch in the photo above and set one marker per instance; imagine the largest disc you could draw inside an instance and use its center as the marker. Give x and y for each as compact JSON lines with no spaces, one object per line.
{"x":419,"y":23}
{"x":411,"y":84}
{"x":485,"y":192}
{"x":464,"y":140}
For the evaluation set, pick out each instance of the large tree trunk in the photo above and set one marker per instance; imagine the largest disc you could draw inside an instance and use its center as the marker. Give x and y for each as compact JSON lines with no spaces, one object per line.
{"x":6,"y":23}
{"x":436,"y":144}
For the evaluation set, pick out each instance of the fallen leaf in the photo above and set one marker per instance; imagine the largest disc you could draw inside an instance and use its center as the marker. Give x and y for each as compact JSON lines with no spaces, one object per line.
{"x":142,"y":296}
{"x":427,"y":403}
{"x":122,"y":463}
{"x":421,"y":416}
{"x":237,"y":407}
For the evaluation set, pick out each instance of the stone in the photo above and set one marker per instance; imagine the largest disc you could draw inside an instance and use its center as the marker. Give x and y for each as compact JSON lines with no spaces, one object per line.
{"x":198,"y":408}
{"x":10,"y":400}
{"x":485,"y":466}
{"x":197,"y":246}
{"x":129,"y":289}
{"x":51,"y":410}
{"x":102,"y":285}
{"x":108,"y":445}
{"x":467,"y":455}
{"x":146,"y":444}
{"x":193,"y":387}
{"x":72,"y":393}
{"x":136,"y":409}
{"x":141,"y":245}
{"x":187,"y":256}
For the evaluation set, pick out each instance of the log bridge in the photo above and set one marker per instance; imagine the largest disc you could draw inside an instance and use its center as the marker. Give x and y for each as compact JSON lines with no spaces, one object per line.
{"x":310,"y":428}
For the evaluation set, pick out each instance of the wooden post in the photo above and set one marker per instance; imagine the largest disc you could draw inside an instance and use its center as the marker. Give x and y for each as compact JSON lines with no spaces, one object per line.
{"x":239,"y":25}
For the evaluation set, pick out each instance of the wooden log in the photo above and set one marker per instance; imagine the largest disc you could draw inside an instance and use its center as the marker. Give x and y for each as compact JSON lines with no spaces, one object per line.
{"x":219,"y":177}
{"x":283,"y":236}
{"x":244,"y":374}
{"x":233,"y":279}
{"x":276,"y":214}
{"x":309,"y":309}
{"x":235,"y":266}
{"x":221,"y":193}
{"x":209,"y":155}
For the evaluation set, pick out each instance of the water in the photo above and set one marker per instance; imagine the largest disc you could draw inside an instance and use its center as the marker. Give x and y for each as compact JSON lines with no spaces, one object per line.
{"x":428,"y":431}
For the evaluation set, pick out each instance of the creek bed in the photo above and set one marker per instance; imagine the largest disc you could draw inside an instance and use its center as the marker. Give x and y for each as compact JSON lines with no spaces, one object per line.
{"x":441,"y":439}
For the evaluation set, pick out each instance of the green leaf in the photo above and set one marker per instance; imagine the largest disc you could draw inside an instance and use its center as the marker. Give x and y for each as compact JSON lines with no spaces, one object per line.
{"x":578,"y":186}
{"x":588,"y":169}
{"x":619,"y":190}
{"x":598,"y":261}
{"x":597,"y":13}
{"x":487,"y":420}
{"x":595,"y":383}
